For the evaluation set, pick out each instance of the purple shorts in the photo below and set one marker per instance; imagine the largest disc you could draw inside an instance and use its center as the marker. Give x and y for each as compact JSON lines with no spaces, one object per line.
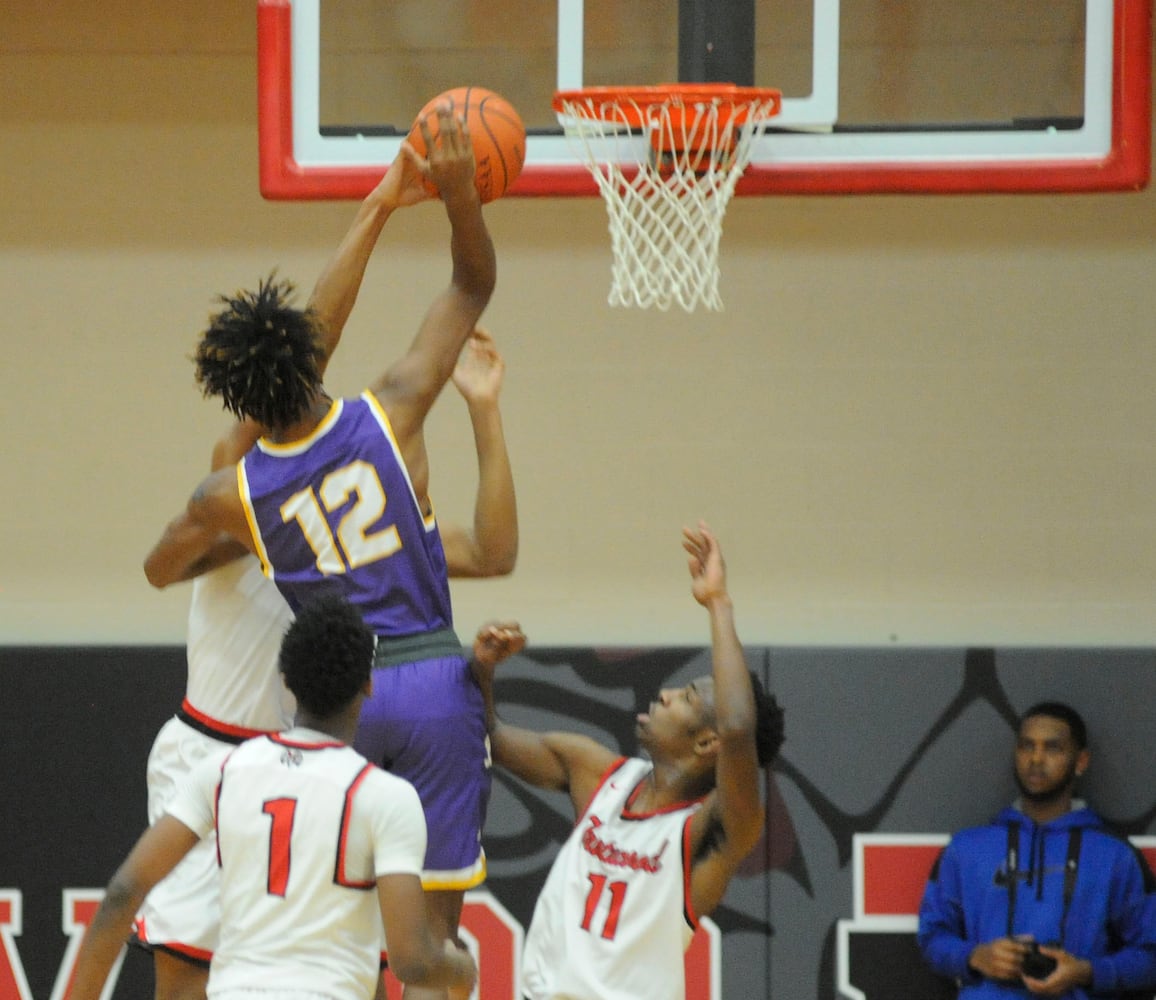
{"x":426,"y":722}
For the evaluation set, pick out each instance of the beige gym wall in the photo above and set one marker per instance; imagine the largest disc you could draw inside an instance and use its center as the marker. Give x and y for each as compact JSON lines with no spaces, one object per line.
{"x":921,"y":420}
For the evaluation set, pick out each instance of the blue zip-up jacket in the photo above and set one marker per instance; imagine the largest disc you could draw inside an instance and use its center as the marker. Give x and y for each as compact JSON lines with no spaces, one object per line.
{"x":989,"y":883}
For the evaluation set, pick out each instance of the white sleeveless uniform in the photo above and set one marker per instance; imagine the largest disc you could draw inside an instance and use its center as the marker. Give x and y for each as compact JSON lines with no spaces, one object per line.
{"x":234,"y":691}
{"x":305,"y":825}
{"x":237,"y":619}
{"x":615,"y":915}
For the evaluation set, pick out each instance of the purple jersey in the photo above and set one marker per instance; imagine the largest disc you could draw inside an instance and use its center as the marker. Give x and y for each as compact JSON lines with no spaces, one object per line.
{"x":337,"y":511}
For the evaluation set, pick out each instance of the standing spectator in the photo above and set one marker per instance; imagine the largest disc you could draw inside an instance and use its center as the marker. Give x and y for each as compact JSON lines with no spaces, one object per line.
{"x":1044,"y":900}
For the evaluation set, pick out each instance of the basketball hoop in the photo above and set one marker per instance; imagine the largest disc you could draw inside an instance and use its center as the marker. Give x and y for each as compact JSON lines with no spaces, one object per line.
{"x":666,"y":195}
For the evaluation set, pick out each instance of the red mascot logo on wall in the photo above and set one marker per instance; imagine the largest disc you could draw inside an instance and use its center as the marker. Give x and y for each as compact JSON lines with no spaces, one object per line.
{"x":492,"y":933}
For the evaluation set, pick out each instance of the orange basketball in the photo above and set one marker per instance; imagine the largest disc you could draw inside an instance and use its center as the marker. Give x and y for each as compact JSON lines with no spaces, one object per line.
{"x":496,"y":132}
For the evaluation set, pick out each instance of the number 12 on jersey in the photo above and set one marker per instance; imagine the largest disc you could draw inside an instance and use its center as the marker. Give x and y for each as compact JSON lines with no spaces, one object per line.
{"x":354,"y":545}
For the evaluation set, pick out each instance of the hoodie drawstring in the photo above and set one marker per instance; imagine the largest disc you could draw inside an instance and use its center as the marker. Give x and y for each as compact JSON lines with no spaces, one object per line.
{"x":1035,"y":872}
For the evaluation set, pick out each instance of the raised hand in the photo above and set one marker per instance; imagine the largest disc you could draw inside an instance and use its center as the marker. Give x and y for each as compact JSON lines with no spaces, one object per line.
{"x":403,"y":184}
{"x":707,"y":569}
{"x":480,"y":369}
{"x":496,"y":642}
{"x":449,"y":155}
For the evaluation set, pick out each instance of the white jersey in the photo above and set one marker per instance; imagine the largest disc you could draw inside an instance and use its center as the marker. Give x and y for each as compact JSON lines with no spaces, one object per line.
{"x":237,"y":619}
{"x":234,"y":691}
{"x":615,"y":915}
{"x":305,"y":825}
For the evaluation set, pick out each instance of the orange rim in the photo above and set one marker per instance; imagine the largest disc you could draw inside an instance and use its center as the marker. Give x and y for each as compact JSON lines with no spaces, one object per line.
{"x":629,"y":102}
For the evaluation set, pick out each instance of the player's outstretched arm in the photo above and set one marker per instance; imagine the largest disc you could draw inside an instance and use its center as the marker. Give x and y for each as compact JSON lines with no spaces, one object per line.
{"x":338,"y":285}
{"x":156,"y":854}
{"x":491,"y":548}
{"x":559,"y":761}
{"x":410,"y":386}
{"x":186,"y":548}
{"x":209,"y":533}
{"x":734,"y":808}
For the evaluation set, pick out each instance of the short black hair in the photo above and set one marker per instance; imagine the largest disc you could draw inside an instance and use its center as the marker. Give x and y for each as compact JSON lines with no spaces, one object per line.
{"x":261,"y":355}
{"x":769,"y":732}
{"x":327,"y":655}
{"x":1065,"y":713}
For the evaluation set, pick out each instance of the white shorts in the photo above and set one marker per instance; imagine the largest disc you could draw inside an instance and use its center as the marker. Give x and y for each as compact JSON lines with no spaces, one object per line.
{"x":182,"y":914}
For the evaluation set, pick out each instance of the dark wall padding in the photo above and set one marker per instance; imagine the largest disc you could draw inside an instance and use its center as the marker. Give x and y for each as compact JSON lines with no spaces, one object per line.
{"x":904,"y":741}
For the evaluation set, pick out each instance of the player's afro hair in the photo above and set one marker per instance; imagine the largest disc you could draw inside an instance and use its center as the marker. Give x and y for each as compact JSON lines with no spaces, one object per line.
{"x":327,"y":655}
{"x":261,"y":355}
{"x":769,"y":724}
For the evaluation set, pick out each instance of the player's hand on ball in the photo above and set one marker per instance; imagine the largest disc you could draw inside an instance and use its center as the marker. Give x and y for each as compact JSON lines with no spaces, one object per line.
{"x":450,"y":154}
{"x":404,"y":181}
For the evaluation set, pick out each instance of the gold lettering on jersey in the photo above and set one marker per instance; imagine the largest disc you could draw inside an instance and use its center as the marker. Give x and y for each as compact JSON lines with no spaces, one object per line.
{"x":611,"y":854}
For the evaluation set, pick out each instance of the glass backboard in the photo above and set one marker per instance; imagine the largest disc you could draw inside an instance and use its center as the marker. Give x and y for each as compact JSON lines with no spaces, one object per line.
{"x":927,"y":96}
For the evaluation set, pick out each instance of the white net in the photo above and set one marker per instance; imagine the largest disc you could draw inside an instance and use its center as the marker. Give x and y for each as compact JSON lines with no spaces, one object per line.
{"x":666,"y":193}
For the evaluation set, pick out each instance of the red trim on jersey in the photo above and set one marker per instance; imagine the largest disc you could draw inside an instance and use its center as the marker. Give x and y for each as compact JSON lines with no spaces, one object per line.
{"x":217,"y":810}
{"x":597,"y":788}
{"x":687,"y":900}
{"x":339,"y":876}
{"x":627,"y":813}
{"x":196,"y":956}
{"x":280,"y":739}
{"x":223,"y":729}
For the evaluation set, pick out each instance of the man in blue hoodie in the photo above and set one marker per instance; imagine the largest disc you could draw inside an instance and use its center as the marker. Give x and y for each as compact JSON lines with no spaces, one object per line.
{"x":1044,"y":900}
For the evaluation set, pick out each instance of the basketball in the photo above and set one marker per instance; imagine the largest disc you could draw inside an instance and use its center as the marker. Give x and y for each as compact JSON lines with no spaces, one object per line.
{"x":496,"y":133}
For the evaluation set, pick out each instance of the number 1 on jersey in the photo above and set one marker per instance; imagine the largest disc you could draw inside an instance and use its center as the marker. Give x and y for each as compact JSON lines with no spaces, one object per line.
{"x":280,"y":813}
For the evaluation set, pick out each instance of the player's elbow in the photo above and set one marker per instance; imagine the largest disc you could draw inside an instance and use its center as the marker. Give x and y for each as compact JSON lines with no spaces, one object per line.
{"x":479,"y":555}
{"x":476,"y":282}
{"x":736,"y":731}
{"x":122,"y":898}
{"x":500,"y":563}
{"x":157,"y":573}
